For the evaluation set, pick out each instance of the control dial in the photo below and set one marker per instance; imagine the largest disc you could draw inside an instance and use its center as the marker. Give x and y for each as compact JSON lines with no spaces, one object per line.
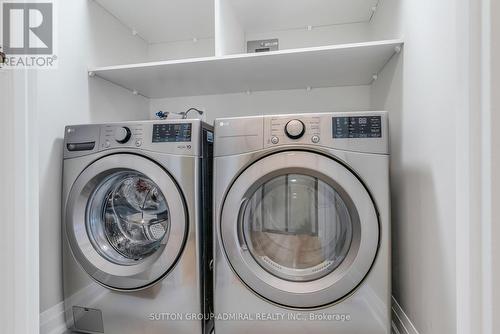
{"x":295,"y":129}
{"x":122,"y":135}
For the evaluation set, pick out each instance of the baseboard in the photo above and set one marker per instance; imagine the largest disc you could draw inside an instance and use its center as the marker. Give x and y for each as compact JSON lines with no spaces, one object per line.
{"x":52,"y":320}
{"x":401,"y":324}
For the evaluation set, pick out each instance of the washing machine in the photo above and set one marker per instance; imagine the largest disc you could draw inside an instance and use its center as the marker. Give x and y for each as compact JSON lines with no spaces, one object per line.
{"x":136,"y":216}
{"x":302,"y":224}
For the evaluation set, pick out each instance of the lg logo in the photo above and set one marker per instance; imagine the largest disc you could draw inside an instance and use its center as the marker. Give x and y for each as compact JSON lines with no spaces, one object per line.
{"x":28,"y":28}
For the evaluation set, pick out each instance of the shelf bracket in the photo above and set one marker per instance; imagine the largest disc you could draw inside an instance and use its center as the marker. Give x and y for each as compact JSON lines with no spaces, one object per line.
{"x":397,"y":50}
{"x":135,"y":92}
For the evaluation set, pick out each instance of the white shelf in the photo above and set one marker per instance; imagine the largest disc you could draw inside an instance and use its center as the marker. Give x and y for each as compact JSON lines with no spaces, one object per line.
{"x":328,"y":66}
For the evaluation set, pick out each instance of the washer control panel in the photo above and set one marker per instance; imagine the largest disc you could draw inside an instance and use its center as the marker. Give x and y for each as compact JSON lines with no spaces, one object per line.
{"x":123,"y":134}
{"x":172,"y":132}
{"x":180,"y":137}
{"x":116,"y":136}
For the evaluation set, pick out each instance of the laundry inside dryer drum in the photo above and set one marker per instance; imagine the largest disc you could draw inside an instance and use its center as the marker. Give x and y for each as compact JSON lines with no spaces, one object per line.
{"x":127,"y":217}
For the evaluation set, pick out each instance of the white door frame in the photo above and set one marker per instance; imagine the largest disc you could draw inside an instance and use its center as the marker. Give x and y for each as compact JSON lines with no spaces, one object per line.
{"x":19,"y":281}
{"x":478,"y":168}
{"x":495,"y":160}
{"x":491,"y":173}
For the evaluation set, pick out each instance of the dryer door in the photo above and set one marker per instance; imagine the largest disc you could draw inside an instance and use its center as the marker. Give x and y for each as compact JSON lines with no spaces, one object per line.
{"x":300,"y":229}
{"x":126,"y":221}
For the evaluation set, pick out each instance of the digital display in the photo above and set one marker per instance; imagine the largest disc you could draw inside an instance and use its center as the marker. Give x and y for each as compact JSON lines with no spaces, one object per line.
{"x":357,"y":127}
{"x":172,"y":133}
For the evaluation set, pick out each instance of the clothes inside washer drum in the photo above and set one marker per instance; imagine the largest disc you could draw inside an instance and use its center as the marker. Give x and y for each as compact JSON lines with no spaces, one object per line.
{"x":133,"y":217}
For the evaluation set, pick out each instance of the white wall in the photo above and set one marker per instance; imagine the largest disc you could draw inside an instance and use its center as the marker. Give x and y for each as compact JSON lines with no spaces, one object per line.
{"x":270,"y":102}
{"x":318,"y":36}
{"x":419,"y":89}
{"x":108,"y":42}
{"x":67,"y":96}
{"x":203,"y":47}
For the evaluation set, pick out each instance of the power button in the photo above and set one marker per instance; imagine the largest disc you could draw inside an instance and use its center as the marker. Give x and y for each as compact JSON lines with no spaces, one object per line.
{"x":275,"y":140}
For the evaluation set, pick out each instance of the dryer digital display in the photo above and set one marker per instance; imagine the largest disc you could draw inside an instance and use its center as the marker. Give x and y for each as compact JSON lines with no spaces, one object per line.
{"x":172,"y":133}
{"x":357,"y":127}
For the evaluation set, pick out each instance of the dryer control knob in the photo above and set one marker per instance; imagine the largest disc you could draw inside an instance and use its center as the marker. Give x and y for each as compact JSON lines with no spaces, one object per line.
{"x":295,"y":129}
{"x":122,"y":135}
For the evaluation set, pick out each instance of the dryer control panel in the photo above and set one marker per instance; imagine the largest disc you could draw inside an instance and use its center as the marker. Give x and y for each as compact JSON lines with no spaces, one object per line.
{"x":357,"y":127}
{"x":353,"y":131}
{"x":289,"y":129}
{"x":365,"y":132}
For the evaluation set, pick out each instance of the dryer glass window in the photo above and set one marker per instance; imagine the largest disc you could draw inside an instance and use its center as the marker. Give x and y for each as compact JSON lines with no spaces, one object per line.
{"x":127,"y":217}
{"x":297,"y":227}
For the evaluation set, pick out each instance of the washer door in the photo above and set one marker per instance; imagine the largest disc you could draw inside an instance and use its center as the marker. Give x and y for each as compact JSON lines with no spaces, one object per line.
{"x":299,"y":229}
{"x":126,"y":221}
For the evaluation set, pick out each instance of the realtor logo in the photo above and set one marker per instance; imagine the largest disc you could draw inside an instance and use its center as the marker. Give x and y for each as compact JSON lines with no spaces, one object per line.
{"x":28,"y":33}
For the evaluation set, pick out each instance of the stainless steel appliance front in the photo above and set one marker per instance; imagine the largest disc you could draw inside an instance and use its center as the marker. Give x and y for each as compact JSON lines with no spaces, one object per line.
{"x":302,"y":218}
{"x":331,"y":244}
{"x":149,"y":213}
{"x":133,"y":247}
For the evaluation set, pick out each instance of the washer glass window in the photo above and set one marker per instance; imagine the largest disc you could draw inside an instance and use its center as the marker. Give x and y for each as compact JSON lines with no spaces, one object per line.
{"x":297,"y":227}
{"x":127,"y":217}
